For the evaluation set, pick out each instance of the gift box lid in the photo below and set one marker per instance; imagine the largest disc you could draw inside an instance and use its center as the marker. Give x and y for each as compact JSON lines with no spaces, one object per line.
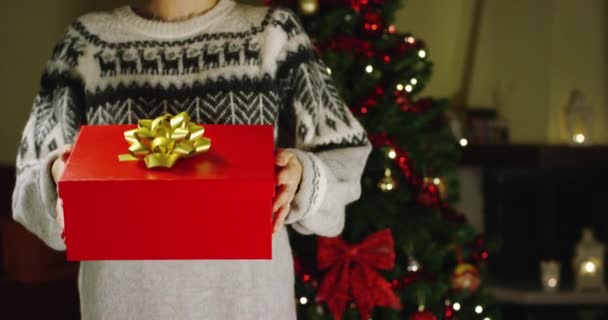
{"x":242,"y":153}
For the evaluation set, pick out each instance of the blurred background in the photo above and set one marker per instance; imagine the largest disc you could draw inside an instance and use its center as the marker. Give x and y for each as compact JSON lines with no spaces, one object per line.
{"x":528,"y":82}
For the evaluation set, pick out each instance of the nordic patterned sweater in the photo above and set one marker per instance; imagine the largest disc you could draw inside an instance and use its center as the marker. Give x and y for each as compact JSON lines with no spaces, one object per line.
{"x":235,"y":64}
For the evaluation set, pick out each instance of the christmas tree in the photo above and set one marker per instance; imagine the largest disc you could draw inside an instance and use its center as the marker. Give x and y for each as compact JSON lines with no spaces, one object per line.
{"x":405,"y":253}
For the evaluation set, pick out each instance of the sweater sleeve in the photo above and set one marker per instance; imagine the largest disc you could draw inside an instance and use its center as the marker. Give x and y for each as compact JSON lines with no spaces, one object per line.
{"x":54,"y":121}
{"x":323,"y":134}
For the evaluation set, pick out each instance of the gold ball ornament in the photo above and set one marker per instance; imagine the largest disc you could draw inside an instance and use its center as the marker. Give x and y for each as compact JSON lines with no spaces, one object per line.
{"x":387,"y":183}
{"x":308,"y":7}
{"x":465,"y":277}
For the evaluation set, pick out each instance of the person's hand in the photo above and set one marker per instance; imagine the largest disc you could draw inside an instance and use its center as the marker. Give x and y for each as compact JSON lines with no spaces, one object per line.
{"x":288,"y":180}
{"x":56,"y":171}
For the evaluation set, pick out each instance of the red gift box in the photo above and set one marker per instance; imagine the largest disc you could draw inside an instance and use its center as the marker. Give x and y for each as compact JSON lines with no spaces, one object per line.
{"x":216,"y":205}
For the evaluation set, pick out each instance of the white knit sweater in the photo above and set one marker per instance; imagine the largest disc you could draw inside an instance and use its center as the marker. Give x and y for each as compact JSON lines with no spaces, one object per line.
{"x":235,"y":64}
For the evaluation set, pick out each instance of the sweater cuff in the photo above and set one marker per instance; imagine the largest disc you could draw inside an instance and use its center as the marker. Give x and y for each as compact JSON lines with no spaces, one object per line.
{"x":46,"y":184}
{"x":312,"y":189}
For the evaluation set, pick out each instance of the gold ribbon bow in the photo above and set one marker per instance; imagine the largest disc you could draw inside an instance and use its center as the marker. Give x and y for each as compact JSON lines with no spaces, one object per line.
{"x":163,"y":140}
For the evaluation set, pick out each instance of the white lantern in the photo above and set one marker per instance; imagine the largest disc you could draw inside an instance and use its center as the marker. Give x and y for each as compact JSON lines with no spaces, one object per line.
{"x":549,"y":275}
{"x":579,"y":119}
{"x":589,"y":263}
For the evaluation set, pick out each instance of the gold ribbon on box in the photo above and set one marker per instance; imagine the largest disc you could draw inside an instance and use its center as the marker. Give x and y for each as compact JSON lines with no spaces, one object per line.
{"x":164,"y":140}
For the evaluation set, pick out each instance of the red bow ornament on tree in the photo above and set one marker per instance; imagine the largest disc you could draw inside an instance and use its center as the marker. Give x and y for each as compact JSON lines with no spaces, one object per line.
{"x":352,"y":274}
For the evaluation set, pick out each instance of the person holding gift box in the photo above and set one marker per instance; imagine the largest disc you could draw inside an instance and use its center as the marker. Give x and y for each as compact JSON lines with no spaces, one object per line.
{"x":222,"y":63}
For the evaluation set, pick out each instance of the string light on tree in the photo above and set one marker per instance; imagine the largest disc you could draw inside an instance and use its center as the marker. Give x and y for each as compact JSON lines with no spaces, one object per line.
{"x":303,"y":300}
{"x":463,"y":142}
{"x":319,"y":309}
{"x":478,"y":309}
{"x":413,"y":81}
{"x":456,"y":306}
{"x":328,"y":70}
{"x":412,"y":264}
{"x":422,"y":53}
{"x":409,"y":88}
{"x":369,"y":68}
{"x":409,"y":39}
{"x":399,"y":87}
{"x":308,"y":7}
{"x":392,"y":154}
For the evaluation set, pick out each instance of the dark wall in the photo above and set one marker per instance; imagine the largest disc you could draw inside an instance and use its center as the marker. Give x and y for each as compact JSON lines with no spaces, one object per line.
{"x":7,"y":182}
{"x":538,"y":214}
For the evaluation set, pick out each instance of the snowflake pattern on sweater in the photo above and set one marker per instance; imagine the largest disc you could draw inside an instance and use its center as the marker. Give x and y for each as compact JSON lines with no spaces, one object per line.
{"x":224,"y":78}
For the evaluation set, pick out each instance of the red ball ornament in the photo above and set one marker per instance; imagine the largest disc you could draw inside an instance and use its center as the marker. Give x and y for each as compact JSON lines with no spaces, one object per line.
{"x":372,"y":23}
{"x":449,"y":312}
{"x":386,"y":59}
{"x":357,"y":4}
{"x":406,"y":280}
{"x":423,"y":315}
{"x":379,"y":90}
{"x":429,"y":196}
{"x":465,"y":278}
{"x":480,"y":256}
{"x":370,"y":102}
{"x":479,"y":253}
{"x":297,"y":266}
{"x":403,"y":101}
{"x":367,"y":104}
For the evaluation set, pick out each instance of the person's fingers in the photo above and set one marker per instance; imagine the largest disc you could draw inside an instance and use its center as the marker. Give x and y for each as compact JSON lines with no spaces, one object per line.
{"x":59,"y":213}
{"x":284,"y":196}
{"x":282,"y":157}
{"x":58,"y":165}
{"x":280,"y":218}
{"x":288,"y":175}
{"x":57,"y":169}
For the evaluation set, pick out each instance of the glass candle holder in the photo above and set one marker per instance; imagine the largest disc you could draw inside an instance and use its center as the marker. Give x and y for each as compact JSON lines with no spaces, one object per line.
{"x":549,"y":275}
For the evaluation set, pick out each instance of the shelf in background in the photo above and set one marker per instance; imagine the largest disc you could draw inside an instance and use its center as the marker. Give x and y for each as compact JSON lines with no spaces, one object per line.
{"x":535,"y":156}
{"x":537,"y":297}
